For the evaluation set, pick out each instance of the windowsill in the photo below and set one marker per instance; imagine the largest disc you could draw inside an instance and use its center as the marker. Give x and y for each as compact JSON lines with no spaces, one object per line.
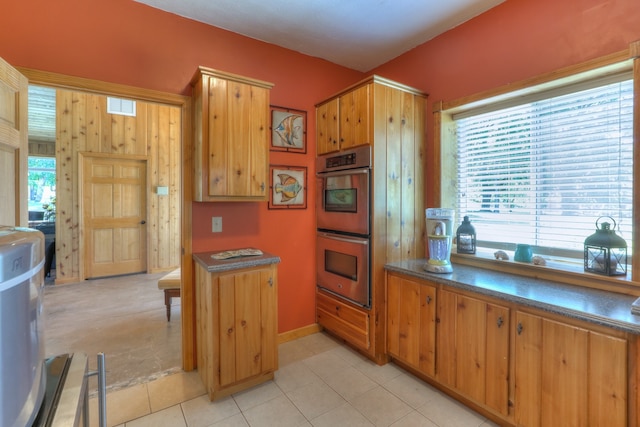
{"x":563,"y":271}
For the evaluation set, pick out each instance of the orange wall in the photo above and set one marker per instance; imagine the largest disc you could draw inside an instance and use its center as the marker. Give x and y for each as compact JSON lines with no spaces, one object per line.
{"x":511,"y":42}
{"x":125,"y":42}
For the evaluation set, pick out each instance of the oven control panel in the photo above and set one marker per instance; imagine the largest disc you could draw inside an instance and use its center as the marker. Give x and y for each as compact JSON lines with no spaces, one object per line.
{"x":359,"y":157}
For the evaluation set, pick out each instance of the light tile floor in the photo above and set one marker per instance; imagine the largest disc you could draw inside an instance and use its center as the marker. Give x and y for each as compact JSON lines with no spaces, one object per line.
{"x":320,"y":383}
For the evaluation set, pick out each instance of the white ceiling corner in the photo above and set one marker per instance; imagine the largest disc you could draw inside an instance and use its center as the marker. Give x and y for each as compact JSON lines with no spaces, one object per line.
{"x":358,"y":34}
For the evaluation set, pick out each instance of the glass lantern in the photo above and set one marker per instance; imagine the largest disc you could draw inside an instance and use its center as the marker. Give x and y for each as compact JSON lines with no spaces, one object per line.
{"x":605,"y":252}
{"x":466,"y":237}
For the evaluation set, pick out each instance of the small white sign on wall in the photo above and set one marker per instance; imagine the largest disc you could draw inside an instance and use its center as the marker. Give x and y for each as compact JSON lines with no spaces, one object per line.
{"x":125,"y":107}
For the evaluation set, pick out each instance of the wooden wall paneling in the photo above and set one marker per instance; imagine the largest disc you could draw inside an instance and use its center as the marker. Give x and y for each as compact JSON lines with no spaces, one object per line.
{"x":8,"y":186}
{"x":419,"y":128}
{"x":155,"y":201}
{"x":407,"y":150}
{"x":391,"y":103}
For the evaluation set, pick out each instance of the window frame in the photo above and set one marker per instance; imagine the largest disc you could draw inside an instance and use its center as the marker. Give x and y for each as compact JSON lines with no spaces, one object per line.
{"x":445,"y":168}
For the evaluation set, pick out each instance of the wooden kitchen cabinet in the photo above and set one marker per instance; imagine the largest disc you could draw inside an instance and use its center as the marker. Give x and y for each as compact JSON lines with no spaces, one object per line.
{"x":345,"y":121}
{"x":411,"y":323}
{"x":231,"y":137}
{"x":565,"y":375}
{"x":390,"y":118}
{"x":473,"y":348}
{"x":236,"y":321}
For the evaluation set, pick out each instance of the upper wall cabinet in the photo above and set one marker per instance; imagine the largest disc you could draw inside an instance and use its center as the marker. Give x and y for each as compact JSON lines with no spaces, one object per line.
{"x":231,"y":132}
{"x":345,"y":121}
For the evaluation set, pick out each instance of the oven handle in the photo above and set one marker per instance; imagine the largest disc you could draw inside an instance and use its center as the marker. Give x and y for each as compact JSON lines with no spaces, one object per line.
{"x":343,"y":172}
{"x":344,"y":239}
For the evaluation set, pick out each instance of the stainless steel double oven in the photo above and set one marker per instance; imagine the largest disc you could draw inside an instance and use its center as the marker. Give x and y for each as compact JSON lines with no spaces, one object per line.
{"x":343,"y":223}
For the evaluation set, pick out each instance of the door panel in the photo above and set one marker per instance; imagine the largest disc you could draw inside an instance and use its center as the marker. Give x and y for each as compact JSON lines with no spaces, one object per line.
{"x":13,"y":146}
{"x":114,"y":215}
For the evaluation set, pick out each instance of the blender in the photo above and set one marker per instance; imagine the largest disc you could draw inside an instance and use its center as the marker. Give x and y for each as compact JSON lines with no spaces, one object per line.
{"x":439,"y":237}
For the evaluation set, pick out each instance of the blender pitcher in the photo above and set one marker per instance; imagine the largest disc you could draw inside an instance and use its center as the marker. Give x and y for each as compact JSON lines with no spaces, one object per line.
{"x":439,"y":237}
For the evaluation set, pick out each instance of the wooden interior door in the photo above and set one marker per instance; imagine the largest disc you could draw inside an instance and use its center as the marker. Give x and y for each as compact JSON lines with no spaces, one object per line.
{"x":113,"y":208}
{"x":13,"y":146}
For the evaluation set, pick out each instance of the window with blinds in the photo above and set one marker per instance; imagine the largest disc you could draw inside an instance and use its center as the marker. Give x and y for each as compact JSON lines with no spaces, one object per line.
{"x":543,"y":171}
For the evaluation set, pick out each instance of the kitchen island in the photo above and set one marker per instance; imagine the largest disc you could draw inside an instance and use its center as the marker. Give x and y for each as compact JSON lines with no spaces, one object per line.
{"x":236,"y":321}
{"x":520,"y":350}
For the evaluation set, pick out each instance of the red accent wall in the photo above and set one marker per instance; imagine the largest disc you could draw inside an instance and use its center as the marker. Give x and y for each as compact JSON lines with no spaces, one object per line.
{"x":125,"y":42}
{"x":514,"y":41}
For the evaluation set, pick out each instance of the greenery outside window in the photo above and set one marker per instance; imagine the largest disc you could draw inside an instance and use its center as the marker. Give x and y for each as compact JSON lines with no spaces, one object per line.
{"x":42,"y":188}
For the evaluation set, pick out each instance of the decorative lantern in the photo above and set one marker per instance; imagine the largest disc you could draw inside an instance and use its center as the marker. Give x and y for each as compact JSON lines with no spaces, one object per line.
{"x":605,"y":252}
{"x":466,"y":237}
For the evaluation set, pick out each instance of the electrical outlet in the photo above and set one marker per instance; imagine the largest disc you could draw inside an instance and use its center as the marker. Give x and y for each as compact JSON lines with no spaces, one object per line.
{"x":216,"y":224}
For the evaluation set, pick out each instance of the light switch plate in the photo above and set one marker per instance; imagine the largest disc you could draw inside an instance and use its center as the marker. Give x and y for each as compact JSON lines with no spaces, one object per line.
{"x":216,"y":224}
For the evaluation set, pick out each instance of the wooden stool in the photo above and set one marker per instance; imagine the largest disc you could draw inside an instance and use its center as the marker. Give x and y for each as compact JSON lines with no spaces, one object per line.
{"x":170,"y":284}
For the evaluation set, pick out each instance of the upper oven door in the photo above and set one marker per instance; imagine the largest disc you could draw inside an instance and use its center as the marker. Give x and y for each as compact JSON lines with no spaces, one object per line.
{"x":343,"y":201}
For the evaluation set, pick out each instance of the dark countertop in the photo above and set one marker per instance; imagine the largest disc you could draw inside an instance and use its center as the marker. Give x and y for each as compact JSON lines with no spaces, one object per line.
{"x":596,"y":306}
{"x":214,"y":265}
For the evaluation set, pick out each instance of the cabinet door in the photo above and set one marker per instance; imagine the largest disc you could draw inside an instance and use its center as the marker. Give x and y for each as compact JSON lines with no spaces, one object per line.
{"x":242,"y":317}
{"x":568,"y":376}
{"x":411,"y":323}
{"x":236,"y":139}
{"x":327,"y":127}
{"x":355,"y":118}
{"x":473,"y":349}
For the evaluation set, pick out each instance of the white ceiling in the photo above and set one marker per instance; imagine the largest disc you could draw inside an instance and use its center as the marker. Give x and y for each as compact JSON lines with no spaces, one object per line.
{"x":358,"y":34}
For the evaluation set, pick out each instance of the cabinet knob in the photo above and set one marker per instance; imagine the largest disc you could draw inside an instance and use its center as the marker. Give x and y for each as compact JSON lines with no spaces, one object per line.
{"x":429,"y":299}
{"x":500,"y":321}
{"x":270,"y":281}
{"x":262,"y":187}
{"x":519,"y":328}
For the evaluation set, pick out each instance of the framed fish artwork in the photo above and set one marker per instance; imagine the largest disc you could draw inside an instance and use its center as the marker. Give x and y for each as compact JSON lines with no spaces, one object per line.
{"x":288,"y":130}
{"x":288,"y":187}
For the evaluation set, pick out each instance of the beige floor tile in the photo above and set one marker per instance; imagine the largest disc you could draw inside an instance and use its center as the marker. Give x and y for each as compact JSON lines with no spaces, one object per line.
{"x":294,"y":376}
{"x":169,"y":417}
{"x":350,"y":383}
{"x":319,"y":343}
{"x":122,"y":405}
{"x":411,"y":390}
{"x":344,"y":415}
{"x":233,"y":421}
{"x":291,"y":352}
{"x":315,"y":399}
{"x":381,"y":407}
{"x":202,"y":412}
{"x":414,"y":419}
{"x":173,"y":389}
{"x":257,"y":395}
{"x":326,"y":364}
{"x":275,"y":412}
{"x":447,"y":412}
{"x":380,"y":374}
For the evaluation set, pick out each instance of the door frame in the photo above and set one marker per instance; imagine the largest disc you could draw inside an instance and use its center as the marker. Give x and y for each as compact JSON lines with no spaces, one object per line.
{"x":187,"y":297}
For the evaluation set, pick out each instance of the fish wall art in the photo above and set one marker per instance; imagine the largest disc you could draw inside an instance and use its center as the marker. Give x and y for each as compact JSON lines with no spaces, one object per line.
{"x":288,"y":187}
{"x":288,"y":130}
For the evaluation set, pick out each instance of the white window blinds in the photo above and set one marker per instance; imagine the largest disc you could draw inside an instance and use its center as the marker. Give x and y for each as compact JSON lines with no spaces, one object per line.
{"x":544,"y":171}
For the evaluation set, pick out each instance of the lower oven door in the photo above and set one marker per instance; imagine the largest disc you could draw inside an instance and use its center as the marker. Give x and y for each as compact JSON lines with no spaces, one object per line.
{"x":342,"y":265}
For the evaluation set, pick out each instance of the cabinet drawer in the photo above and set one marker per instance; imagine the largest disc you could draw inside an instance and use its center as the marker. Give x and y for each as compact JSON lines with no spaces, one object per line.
{"x":346,"y":321}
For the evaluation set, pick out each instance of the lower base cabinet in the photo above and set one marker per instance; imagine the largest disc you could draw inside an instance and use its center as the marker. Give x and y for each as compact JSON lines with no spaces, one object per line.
{"x":518,"y":366}
{"x":236,"y":328}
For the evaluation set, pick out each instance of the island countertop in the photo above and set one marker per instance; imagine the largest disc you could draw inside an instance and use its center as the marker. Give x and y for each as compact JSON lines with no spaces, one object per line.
{"x":597,"y":306}
{"x":217,"y":265}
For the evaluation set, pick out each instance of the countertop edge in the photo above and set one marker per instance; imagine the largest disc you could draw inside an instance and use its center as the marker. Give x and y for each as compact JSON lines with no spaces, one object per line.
{"x":214,"y":266}
{"x":600,"y":307}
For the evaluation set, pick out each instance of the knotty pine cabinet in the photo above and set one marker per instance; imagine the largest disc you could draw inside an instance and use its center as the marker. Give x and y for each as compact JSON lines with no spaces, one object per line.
{"x":236,"y":328}
{"x":567,"y":375}
{"x":411,"y":323}
{"x":517,"y":365}
{"x":231,"y":137}
{"x":391,"y":118}
{"x":472,"y":349}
